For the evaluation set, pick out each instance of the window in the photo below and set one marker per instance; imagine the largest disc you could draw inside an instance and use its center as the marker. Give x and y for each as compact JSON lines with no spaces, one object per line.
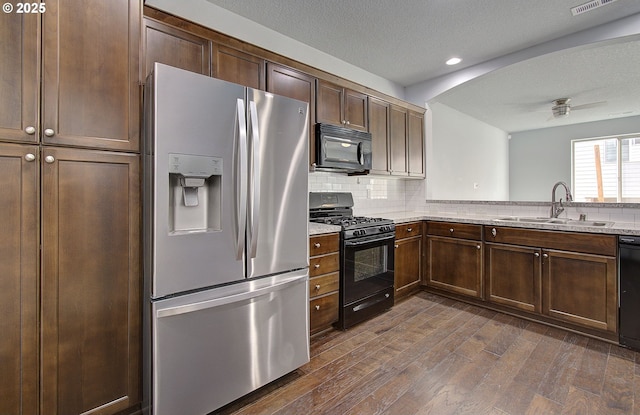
{"x":606,"y":169}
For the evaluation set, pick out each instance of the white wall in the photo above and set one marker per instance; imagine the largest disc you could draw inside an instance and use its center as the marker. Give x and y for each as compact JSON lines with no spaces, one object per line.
{"x":540,"y":158}
{"x":462,"y":152}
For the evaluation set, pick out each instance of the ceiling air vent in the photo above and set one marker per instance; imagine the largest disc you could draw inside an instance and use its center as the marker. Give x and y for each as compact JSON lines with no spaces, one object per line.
{"x":587,"y":7}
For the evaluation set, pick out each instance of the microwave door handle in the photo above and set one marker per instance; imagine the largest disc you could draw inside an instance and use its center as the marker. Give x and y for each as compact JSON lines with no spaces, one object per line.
{"x":360,"y":154}
{"x":240,"y":185}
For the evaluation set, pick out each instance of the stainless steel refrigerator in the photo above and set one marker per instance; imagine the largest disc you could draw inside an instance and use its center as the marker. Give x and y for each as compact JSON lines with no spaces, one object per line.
{"x":226,"y":242}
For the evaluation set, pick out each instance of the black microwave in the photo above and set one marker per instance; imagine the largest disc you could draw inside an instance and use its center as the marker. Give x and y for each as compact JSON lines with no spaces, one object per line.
{"x":342,"y":149}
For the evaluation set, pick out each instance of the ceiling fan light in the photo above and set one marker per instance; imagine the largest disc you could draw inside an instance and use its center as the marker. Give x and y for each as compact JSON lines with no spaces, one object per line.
{"x":561,"y":110}
{"x":561,"y":107}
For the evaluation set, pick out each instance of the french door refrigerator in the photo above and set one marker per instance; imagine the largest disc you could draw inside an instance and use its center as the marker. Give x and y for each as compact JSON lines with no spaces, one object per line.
{"x":226,"y":248}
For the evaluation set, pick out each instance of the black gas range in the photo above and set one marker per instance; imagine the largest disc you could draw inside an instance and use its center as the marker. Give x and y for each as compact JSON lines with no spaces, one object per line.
{"x":366,"y":256}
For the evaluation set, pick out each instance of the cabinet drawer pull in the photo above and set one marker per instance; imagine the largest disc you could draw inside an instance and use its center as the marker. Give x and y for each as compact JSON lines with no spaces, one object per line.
{"x":494,"y":232}
{"x":451,"y":230}
{"x":317,"y":307}
{"x":317,"y":244}
{"x":316,"y":266}
{"x":409,"y":229}
{"x":317,"y":287}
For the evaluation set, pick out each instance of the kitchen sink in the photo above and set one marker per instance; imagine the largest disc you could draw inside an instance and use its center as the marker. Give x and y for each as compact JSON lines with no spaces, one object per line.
{"x":556,"y":221}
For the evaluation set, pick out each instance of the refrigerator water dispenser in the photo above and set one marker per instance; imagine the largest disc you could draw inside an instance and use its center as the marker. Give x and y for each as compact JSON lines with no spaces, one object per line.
{"x":195,"y":194}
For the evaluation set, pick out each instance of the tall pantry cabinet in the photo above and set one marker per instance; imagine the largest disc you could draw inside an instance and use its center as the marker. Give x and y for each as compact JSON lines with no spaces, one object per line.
{"x":70,"y":276}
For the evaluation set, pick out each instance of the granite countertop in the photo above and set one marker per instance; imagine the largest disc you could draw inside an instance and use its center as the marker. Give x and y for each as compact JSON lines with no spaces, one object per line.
{"x":618,"y":228}
{"x":321,"y":228}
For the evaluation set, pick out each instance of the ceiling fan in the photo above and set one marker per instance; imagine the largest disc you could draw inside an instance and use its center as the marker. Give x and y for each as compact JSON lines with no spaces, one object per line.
{"x":562,"y":107}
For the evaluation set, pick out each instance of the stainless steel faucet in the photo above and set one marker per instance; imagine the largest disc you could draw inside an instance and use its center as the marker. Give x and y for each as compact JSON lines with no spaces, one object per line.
{"x":556,"y":207}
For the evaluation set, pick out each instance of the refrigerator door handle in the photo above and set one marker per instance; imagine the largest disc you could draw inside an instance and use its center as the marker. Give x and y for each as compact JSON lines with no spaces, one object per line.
{"x":240,"y":190}
{"x":254,"y":211}
{"x":217,"y":302}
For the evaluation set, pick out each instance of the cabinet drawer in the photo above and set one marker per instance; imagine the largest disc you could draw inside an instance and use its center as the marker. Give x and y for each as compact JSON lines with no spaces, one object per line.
{"x":324,"y":284}
{"x":407,"y":230}
{"x":319,"y":245}
{"x":324,"y":264}
{"x":456,"y":230}
{"x":323,"y":311}
{"x":567,"y":241}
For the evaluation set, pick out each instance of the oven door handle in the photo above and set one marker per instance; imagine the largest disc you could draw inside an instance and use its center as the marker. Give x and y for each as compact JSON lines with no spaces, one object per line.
{"x":368,"y":241}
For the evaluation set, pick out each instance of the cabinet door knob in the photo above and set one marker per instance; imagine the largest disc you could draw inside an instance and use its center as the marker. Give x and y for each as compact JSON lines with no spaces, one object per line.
{"x":478,"y":246}
{"x":317,"y":307}
{"x":317,"y":244}
{"x":29,"y":157}
{"x":317,"y":287}
{"x":49,"y":159}
{"x":536,"y":254}
{"x":395,"y":245}
{"x":49,"y":132}
{"x":316,"y":266}
{"x":494,"y":232}
{"x":30,"y":130}
{"x":348,"y":123}
{"x":545,"y":255}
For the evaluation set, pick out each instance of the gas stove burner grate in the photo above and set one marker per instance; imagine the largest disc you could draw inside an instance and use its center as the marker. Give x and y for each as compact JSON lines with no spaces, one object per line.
{"x":352,"y":221}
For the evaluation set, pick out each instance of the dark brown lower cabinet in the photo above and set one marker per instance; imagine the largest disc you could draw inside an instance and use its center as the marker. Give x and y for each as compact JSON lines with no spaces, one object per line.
{"x":513,"y":276}
{"x":407,"y":259}
{"x":454,"y":258}
{"x":19,"y":288}
{"x":90,"y":282}
{"x":580,"y":289}
{"x":455,"y":265}
{"x":71,"y":310}
{"x":324,"y":282}
{"x":568,"y":277}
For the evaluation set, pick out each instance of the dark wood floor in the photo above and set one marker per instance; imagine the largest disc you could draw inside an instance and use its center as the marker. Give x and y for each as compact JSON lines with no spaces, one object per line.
{"x":431,"y":355}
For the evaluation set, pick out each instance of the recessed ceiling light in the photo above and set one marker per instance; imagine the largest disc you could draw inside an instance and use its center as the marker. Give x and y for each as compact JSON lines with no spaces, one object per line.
{"x":453,"y":61}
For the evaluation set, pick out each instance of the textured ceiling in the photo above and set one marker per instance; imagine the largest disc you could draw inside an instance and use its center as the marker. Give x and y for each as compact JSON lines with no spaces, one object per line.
{"x":518,"y":97}
{"x":408,"y":41}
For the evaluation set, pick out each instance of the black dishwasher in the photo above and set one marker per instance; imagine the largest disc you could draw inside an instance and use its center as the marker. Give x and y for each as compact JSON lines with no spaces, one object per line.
{"x":629,"y":275}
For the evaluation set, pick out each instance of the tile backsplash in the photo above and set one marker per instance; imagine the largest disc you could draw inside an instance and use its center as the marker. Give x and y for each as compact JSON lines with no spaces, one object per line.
{"x":375,"y":195}
{"x":371,"y":195}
